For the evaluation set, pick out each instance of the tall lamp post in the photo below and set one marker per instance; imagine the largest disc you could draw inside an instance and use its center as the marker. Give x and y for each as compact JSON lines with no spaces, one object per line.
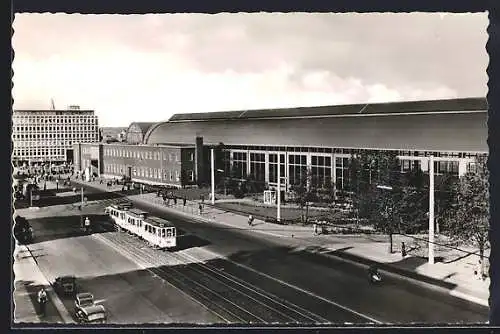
{"x":431,"y":209}
{"x":212,"y":169}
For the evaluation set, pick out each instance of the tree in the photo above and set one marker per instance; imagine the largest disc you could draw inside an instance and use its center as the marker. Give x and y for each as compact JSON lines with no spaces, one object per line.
{"x":304,"y":192}
{"x":468,"y":217}
{"x":385,"y":211}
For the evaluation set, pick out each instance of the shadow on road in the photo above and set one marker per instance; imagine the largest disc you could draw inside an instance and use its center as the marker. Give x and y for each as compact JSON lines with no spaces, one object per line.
{"x":189,"y":241}
{"x":60,"y":227}
{"x":229,"y":280}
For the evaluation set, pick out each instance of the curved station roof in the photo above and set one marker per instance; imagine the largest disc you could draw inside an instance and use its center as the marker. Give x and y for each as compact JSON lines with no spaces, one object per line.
{"x":440,"y":125}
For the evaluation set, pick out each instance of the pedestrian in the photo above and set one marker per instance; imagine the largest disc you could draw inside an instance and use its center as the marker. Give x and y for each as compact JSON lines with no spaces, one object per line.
{"x":202,"y":197}
{"x":42,"y":300}
{"x":403,"y":249}
{"x":200,"y":207}
{"x":184,"y":201}
{"x":315,"y":228}
{"x":250,"y":220}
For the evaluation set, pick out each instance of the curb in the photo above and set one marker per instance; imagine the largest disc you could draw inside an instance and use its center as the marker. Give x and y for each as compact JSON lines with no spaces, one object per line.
{"x":385,"y":268}
{"x":56,"y":301}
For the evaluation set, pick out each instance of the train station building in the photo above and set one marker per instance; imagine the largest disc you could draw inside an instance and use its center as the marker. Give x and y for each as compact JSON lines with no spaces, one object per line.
{"x":319,"y":139}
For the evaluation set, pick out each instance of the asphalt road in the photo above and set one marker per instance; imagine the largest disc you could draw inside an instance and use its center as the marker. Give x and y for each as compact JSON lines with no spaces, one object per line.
{"x":130,"y":293}
{"x":246,"y":277}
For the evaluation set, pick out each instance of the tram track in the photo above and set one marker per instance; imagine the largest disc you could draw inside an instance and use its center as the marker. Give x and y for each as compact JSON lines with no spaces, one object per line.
{"x":229,"y":297}
{"x":221,"y":307}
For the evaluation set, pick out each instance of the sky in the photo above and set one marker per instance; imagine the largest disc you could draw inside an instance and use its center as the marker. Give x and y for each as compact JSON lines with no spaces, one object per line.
{"x":145,"y":68}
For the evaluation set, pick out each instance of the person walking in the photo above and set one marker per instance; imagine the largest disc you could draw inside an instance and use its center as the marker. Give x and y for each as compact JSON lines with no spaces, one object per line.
{"x":42,"y":301}
{"x":250,"y":220}
{"x":87,"y":224}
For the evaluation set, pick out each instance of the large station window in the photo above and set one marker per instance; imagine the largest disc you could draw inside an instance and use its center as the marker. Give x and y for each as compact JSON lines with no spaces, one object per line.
{"x":258,"y":166}
{"x":446,"y":167}
{"x":240,"y":164}
{"x":342,"y":172}
{"x":321,"y":170}
{"x":273,"y":167}
{"x":297,"y":168}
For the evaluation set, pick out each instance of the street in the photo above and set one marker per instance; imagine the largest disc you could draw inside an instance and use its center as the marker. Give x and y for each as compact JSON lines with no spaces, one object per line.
{"x":238,"y":277}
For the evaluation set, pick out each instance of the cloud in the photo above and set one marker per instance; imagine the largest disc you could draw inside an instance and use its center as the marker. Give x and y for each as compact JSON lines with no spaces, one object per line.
{"x":147,"y":67}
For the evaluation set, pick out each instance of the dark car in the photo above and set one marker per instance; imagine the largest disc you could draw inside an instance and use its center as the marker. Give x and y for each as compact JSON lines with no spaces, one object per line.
{"x":65,"y":285}
{"x":92,"y":314}
{"x":23,"y":232}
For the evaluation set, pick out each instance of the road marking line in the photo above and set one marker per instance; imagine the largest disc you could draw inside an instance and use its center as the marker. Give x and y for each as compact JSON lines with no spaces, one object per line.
{"x":302,"y":290}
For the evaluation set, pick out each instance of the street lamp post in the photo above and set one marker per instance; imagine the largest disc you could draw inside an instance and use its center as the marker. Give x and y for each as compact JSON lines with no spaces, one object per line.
{"x":278,"y":206}
{"x":212,"y":164}
{"x":431,"y":209}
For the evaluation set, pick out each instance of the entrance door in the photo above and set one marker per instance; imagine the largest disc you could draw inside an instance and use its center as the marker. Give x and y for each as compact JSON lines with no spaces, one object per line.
{"x":129,"y":172}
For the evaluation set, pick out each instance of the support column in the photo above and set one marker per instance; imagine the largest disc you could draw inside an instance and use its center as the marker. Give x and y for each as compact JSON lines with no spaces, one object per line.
{"x":248,"y":162}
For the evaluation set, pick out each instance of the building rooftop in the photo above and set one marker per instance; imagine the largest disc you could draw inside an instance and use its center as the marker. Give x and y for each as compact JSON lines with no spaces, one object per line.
{"x":411,"y":107}
{"x":458,"y":125}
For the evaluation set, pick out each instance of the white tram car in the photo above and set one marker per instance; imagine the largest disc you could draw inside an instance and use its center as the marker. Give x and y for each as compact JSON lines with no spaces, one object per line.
{"x":160,"y":233}
{"x":117,"y":213}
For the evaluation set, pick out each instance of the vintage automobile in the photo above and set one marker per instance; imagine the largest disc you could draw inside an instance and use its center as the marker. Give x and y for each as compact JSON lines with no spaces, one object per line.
{"x":65,"y":285}
{"x":23,"y":231}
{"x":83,"y":299}
{"x":93,"y":314}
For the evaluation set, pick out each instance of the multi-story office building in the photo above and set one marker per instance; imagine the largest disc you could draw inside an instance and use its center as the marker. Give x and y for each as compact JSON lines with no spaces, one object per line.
{"x":48,"y":135}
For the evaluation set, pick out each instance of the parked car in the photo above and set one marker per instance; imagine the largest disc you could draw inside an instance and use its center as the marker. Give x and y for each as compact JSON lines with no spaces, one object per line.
{"x":23,"y":232}
{"x":65,"y":285}
{"x":83,"y":299}
{"x":93,"y":314}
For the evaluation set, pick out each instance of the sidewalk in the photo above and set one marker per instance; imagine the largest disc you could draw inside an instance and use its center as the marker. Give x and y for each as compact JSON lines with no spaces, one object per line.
{"x":456,"y":276}
{"x":28,"y":281}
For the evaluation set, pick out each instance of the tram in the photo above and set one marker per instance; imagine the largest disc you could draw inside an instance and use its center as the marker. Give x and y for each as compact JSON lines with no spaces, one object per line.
{"x":117,"y":213}
{"x":158,"y":232}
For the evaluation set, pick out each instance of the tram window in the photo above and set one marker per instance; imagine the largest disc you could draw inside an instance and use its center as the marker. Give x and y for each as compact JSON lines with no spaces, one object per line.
{"x":169,"y":232}
{"x":145,"y":227}
{"x":154,"y":230}
{"x":173,"y":232}
{"x":163,"y":233}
